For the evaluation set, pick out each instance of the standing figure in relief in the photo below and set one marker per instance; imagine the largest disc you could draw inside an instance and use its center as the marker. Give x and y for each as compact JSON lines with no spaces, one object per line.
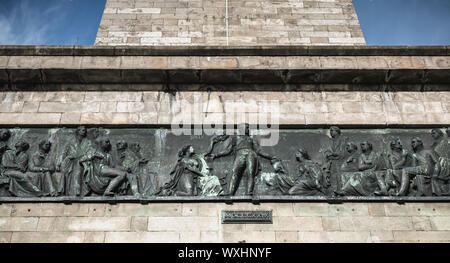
{"x":15,"y":163}
{"x":72,"y":167}
{"x":246,"y":163}
{"x":335,"y":155}
{"x":424,"y":162}
{"x":141,"y":170}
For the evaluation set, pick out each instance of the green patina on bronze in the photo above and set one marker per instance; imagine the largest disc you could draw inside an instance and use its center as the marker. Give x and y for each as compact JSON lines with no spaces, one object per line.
{"x":145,"y":164}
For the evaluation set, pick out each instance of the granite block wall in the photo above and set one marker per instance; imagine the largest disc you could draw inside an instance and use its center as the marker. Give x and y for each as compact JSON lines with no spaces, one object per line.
{"x":249,"y":23}
{"x":156,"y":107}
{"x":200,"y":222}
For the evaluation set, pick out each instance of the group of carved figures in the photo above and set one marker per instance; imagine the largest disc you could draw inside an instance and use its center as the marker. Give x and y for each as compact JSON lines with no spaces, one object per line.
{"x":87,"y":167}
{"x":393,"y":172}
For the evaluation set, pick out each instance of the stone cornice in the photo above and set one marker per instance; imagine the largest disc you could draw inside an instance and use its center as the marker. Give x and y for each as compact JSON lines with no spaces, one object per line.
{"x":224,"y":51}
{"x":39,"y":67}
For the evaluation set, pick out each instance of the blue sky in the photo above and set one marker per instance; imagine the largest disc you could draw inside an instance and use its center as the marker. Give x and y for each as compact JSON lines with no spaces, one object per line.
{"x":75,"y":22}
{"x":404,"y":22}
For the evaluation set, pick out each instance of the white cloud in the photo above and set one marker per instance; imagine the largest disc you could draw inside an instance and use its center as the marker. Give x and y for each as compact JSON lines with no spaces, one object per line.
{"x":27,"y":25}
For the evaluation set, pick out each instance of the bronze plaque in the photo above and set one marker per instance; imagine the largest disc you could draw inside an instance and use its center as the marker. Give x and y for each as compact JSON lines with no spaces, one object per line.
{"x":247,"y":217}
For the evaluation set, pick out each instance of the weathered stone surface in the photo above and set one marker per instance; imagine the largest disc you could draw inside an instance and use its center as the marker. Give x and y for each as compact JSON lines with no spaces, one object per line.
{"x":250,"y":23}
{"x":294,"y":107}
{"x":47,"y":237}
{"x":248,"y":237}
{"x":18,"y":224}
{"x":154,"y":209}
{"x":375,"y":223}
{"x":335,"y":237}
{"x":182,"y":223}
{"x":320,"y":223}
{"x":418,"y":236}
{"x":92,"y":224}
{"x":139,"y":223}
{"x":142,"y":237}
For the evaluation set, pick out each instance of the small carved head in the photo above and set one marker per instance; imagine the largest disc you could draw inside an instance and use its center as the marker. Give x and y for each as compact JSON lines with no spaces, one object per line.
{"x":437,"y":134}
{"x":186,"y":151}
{"x":416,"y":143}
{"x":4,"y":134}
{"x":45,"y":145}
{"x":135,"y":147}
{"x":351,"y":147}
{"x":396,"y":144}
{"x":335,"y":131}
{"x":104,"y":143}
{"x":81,"y":131}
{"x":121,"y":145}
{"x":277,"y":165}
{"x":22,"y":145}
{"x":366,"y":147}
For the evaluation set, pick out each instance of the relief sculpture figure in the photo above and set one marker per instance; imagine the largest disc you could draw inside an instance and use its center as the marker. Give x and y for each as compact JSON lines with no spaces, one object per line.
{"x":397,"y":159}
{"x":312,"y":176}
{"x":101,"y":175}
{"x":441,"y":176}
{"x":15,"y":162}
{"x":334,"y":155}
{"x":5,"y":134}
{"x":246,"y":164}
{"x":141,"y":170}
{"x":134,"y":165}
{"x":350,"y":163}
{"x":42,"y":166}
{"x":424,"y":162}
{"x":72,"y":167}
{"x":184,"y":177}
{"x":369,"y":179}
{"x":64,"y":162}
{"x":284,"y":181}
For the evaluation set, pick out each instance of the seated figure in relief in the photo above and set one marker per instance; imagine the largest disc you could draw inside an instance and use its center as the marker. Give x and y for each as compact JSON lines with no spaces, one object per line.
{"x":42,"y":165}
{"x":101,"y":176}
{"x":185,"y":175}
{"x":351,"y":158}
{"x":440,"y":181}
{"x":397,"y":158}
{"x":369,"y":179}
{"x":5,"y":134}
{"x":15,"y":162}
{"x":421,"y":171}
{"x":283,"y":181}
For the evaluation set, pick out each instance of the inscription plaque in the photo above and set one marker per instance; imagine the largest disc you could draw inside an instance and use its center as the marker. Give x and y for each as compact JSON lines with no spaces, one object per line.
{"x":247,"y":217}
